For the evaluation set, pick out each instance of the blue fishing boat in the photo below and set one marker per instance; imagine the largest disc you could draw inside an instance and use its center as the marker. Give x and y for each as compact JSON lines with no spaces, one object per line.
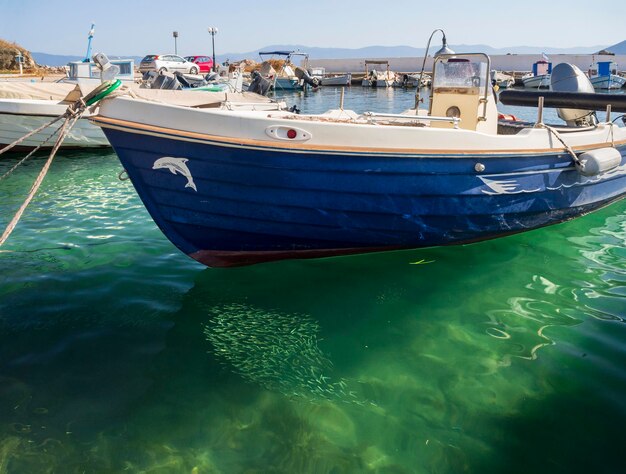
{"x":539,"y":78}
{"x":242,"y":184}
{"x":603,"y":75}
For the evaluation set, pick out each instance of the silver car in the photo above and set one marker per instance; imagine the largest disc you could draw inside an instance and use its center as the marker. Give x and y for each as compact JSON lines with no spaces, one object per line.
{"x":167,"y":63}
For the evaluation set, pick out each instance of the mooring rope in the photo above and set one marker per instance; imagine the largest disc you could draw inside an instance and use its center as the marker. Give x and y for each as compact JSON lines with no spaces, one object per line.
{"x":38,"y":181}
{"x":565,"y":145}
{"x":71,"y":115}
{"x":20,"y":140}
{"x":13,"y":168}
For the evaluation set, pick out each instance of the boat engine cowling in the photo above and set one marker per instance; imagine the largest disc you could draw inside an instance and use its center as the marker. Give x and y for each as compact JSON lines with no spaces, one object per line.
{"x":569,"y":78}
{"x":259,"y":84}
{"x":304,"y":76}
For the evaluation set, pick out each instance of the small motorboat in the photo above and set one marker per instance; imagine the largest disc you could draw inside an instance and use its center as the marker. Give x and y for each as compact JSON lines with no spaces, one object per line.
{"x":26,"y":106}
{"x":244,"y":183}
{"x":603,"y":75}
{"x":539,"y":78}
{"x":377,"y":78}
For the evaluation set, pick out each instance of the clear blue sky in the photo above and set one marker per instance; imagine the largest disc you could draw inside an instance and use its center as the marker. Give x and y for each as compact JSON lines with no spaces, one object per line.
{"x":138,"y":27}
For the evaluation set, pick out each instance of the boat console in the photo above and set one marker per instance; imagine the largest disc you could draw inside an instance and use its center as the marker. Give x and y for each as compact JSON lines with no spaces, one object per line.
{"x":461,"y":88}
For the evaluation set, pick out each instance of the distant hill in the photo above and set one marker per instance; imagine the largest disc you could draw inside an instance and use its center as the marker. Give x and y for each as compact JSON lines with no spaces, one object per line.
{"x":366,"y":52}
{"x":619,"y":48}
{"x":404,"y":51}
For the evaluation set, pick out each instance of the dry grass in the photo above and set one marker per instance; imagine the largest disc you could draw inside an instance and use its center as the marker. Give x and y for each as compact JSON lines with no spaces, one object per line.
{"x":6,"y":45}
{"x":7,"y":56}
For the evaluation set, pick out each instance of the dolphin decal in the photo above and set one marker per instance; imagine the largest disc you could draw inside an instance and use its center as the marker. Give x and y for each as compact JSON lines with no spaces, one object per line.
{"x":176,"y":165}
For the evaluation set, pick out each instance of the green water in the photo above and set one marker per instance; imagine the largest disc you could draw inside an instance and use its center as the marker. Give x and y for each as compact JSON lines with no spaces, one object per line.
{"x":120,"y":354}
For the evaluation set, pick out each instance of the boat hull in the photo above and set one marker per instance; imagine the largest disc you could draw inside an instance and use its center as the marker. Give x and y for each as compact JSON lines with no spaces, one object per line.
{"x":236,"y":204}
{"x":342,"y":80}
{"x":18,"y":118}
{"x":287,"y":84}
{"x":537,"y":82}
{"x":611,"y":82}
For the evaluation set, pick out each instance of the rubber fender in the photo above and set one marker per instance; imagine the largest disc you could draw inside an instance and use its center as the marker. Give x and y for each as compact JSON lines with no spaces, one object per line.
{"x":598,"y":161}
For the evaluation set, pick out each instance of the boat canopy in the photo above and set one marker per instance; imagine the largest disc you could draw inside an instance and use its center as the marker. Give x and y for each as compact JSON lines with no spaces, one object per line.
{"x":279,"y":53}
{"x":604,"y":68}
{"x":35,"y":90}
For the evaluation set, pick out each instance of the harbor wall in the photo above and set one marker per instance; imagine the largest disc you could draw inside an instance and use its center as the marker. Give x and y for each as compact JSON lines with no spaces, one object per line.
{"x":502,"y":62}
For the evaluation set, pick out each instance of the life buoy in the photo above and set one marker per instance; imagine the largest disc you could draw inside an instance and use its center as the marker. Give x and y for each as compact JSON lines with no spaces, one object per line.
{"x":512,"y":118}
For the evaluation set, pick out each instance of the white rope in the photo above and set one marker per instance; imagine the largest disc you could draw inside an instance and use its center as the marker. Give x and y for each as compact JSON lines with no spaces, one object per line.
{"x":565,"y":145}
{"x":39,"y":180}
{"x":5,"y":175}
{"x":20,"y":140}
{"x":71,"y":115}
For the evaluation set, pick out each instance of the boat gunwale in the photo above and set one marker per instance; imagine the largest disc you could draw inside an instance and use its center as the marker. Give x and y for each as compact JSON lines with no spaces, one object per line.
{"x":293,"y":147}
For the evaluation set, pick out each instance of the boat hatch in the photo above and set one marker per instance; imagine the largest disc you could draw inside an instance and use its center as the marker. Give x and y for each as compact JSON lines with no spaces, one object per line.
{"x":461,"y":88}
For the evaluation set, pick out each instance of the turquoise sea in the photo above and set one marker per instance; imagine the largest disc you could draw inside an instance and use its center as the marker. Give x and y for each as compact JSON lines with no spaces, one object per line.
{"x":120,"y":354}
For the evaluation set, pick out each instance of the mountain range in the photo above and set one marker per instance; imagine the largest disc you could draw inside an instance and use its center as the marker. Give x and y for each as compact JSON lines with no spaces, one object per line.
{"x":366,"y":52}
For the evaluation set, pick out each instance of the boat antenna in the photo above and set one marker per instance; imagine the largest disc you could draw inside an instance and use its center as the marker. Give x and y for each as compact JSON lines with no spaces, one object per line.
{"x":90,"y":37}
{"x":444,"y":50}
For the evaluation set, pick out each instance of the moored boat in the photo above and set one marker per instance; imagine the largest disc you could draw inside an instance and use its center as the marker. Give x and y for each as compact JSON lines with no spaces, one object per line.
{"x":502,"y":80}
{"x":237,"y":185}
{"x":376,"y":78}
{"x":603,"y":75}
{"x":330,"y":79}
{"x":26,"y":106}
{"x":288,"y":76}
{"x":539,"y":78}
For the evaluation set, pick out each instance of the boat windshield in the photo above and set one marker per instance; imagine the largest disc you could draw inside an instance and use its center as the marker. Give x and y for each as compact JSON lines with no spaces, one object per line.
{"x":455,"y":72}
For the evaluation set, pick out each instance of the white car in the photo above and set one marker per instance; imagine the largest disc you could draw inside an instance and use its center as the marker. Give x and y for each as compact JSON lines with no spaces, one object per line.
{"x":167,"y":63}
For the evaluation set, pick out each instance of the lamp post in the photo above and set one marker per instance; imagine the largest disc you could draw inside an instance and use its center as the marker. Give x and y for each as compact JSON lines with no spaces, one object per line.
{"x":213,"y":31}
{"x":444,"y":50}
{"x":175,"y":35}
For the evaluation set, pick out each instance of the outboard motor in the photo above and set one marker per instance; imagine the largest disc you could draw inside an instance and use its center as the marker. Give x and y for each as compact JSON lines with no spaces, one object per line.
{"x":166,"y":81}
{"x":569,"y":78}
{"x":259,"y":84}
{"x":304,"y":75}
{"x":189,"y":81}
{"x":148,"y":78}
{"x":212,"y":76}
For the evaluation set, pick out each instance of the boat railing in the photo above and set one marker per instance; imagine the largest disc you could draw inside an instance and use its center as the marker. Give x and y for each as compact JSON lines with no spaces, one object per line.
{"x":424,"y":118}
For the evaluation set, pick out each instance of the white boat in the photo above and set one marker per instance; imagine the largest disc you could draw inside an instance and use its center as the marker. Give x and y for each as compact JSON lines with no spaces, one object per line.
{"x":289,"y":76}
{"x":411,"y":80}
{"x":236,"y":185}
{"x":603,"y":75}
{"x":330,"y":79}
{"x":539,"y":78}
{"x":502,"y":80}
{"x":27,"y":106}
{"x":375,"y":78}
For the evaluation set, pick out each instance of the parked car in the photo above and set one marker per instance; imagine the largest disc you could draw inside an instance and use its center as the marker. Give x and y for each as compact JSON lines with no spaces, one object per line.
{"x":204,"y":62}
{"x":167,"y":63}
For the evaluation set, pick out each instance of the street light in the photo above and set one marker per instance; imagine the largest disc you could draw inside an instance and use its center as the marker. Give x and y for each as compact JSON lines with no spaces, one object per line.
{"x":213,"y":31}
{"x":444,"y":50}
{"x":175,"y":35}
